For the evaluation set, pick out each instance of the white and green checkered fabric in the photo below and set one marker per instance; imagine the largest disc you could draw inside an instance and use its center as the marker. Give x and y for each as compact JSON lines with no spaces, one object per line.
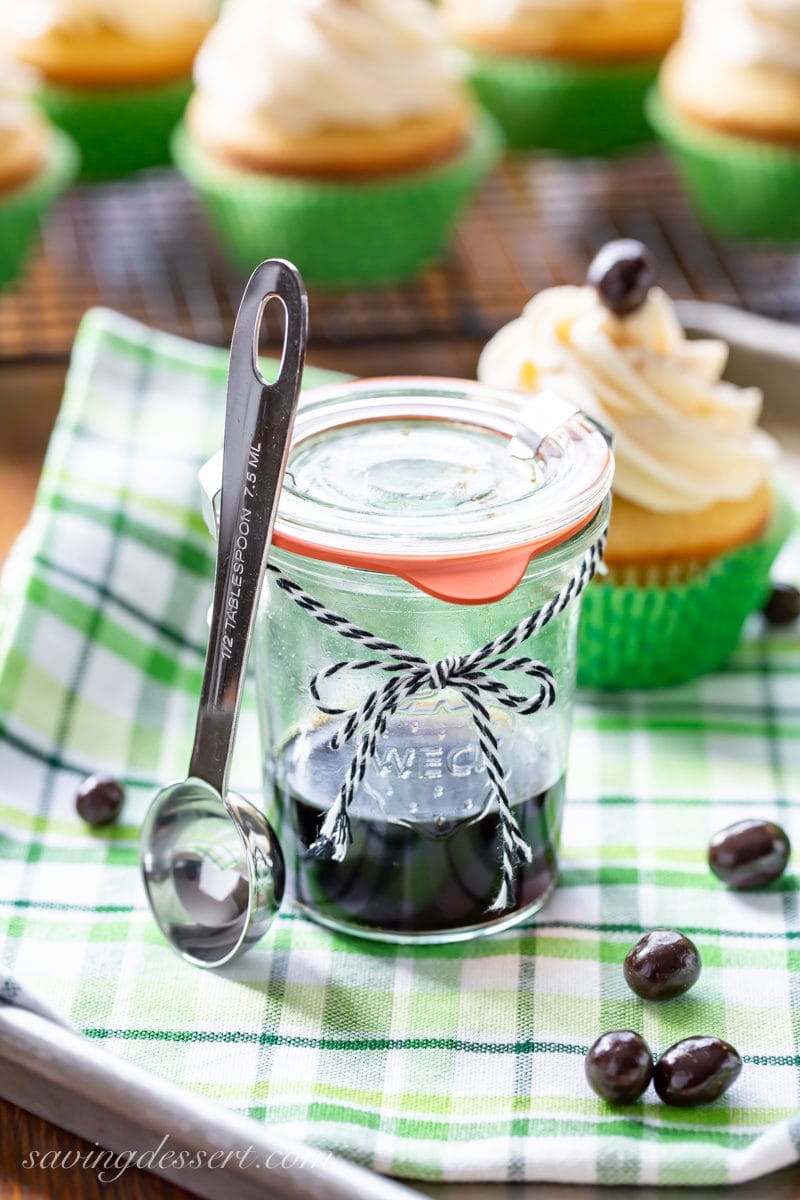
{"x":454,"y":1062}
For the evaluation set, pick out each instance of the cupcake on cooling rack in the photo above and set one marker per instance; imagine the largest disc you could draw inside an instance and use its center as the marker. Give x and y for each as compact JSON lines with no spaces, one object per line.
{"x":696,"y":523}
{"x":728,"y":107}
{"x":116,"y":73}
{"x":36,"y":165}
{"x":566,"y":75}
{"x":335,"y":133}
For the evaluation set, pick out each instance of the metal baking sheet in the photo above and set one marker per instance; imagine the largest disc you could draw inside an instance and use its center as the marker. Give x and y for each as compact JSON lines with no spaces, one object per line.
{"x":58,"y":1075}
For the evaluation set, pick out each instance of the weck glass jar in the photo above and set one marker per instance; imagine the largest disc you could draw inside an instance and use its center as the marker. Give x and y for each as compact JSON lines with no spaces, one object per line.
{"x":417,"y":784}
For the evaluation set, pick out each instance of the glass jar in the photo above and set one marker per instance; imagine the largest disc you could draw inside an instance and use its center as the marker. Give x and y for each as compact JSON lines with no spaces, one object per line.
{"x":436,"y":517}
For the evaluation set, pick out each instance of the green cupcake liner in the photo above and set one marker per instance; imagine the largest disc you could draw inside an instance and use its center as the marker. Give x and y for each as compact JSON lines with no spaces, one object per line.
{"x":338,"y":233}
{"x":573,"y":108}
{"x":646,"y":637}
{"x":23,"y":208}
{"x":741,"y":188}
{"x":118,"y":130}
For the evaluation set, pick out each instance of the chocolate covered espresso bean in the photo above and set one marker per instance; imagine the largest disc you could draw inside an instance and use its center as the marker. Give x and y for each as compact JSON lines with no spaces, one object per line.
{"x":783,"y":605}
{"x":696,"y":1071}
{"x":623,"y":273}
{"x":662,"y":964}
{"x":749,"y":854}
{"x":619,"y":1066}
{"x":99,"y":800}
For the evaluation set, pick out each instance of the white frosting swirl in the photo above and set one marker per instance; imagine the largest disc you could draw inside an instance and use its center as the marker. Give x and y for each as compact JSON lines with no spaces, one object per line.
{"x":16,"y":85}
{"x":312,"y":64}
{"x":750,"y":32}
{"x":684,"y":439}
{"x":141,"y":19}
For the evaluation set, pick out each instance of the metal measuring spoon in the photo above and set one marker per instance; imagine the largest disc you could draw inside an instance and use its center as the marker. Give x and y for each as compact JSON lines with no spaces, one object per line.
{"x":212,"y":865}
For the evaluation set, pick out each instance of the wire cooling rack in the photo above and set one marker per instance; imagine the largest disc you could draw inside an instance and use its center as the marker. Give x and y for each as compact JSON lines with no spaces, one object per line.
{"x":144,"y":248}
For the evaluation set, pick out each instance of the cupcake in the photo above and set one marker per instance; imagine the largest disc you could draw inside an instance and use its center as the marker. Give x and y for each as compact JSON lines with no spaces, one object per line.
{"x":116,"y":73}
{"x":335,"y":133}
{"x":36,"y":165}
{"x":566,"y":75}
{"x":696,"y":523}
{"x":728,"y":107}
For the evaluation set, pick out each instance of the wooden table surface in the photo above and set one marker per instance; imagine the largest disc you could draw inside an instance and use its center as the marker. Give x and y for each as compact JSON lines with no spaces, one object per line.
{"x":22,"y":1134}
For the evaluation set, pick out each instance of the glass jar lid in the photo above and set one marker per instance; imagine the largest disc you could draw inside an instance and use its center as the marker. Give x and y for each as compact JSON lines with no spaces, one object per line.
{"x":449,"y":485}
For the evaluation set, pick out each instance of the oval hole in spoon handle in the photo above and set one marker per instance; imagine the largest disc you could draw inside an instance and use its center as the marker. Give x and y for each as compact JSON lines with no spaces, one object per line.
{"x":211,"y":863}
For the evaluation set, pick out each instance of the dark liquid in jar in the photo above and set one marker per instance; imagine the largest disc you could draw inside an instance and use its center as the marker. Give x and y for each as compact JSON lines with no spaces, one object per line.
{"x":432,"y":873}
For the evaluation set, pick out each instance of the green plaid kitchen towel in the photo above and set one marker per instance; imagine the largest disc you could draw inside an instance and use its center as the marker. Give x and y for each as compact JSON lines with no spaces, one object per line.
{"x":455,"y":1062}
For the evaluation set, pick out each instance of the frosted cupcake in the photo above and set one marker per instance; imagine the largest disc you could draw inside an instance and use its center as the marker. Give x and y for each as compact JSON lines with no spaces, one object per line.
{"x":36,"y":165}
{"x":728,"y":107}
{"x":336,"y":133}
{"x":116,"y":73}
{"x":696,"y":523}
{"x":566,"y":75}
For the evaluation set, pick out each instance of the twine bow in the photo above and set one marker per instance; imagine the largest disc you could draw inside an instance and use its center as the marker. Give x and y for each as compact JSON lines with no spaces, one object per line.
{"x":471,"y":675}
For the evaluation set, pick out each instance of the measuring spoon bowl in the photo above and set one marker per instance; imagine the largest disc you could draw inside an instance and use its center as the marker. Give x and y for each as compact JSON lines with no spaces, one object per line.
{"x":213,"y":871}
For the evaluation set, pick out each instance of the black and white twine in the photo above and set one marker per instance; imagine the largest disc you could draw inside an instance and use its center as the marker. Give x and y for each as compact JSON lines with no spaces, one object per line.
{"x":469,"y":674}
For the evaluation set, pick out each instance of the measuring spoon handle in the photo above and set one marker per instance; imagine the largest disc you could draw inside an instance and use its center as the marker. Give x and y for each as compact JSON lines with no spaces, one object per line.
{"x":258,"y":424}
